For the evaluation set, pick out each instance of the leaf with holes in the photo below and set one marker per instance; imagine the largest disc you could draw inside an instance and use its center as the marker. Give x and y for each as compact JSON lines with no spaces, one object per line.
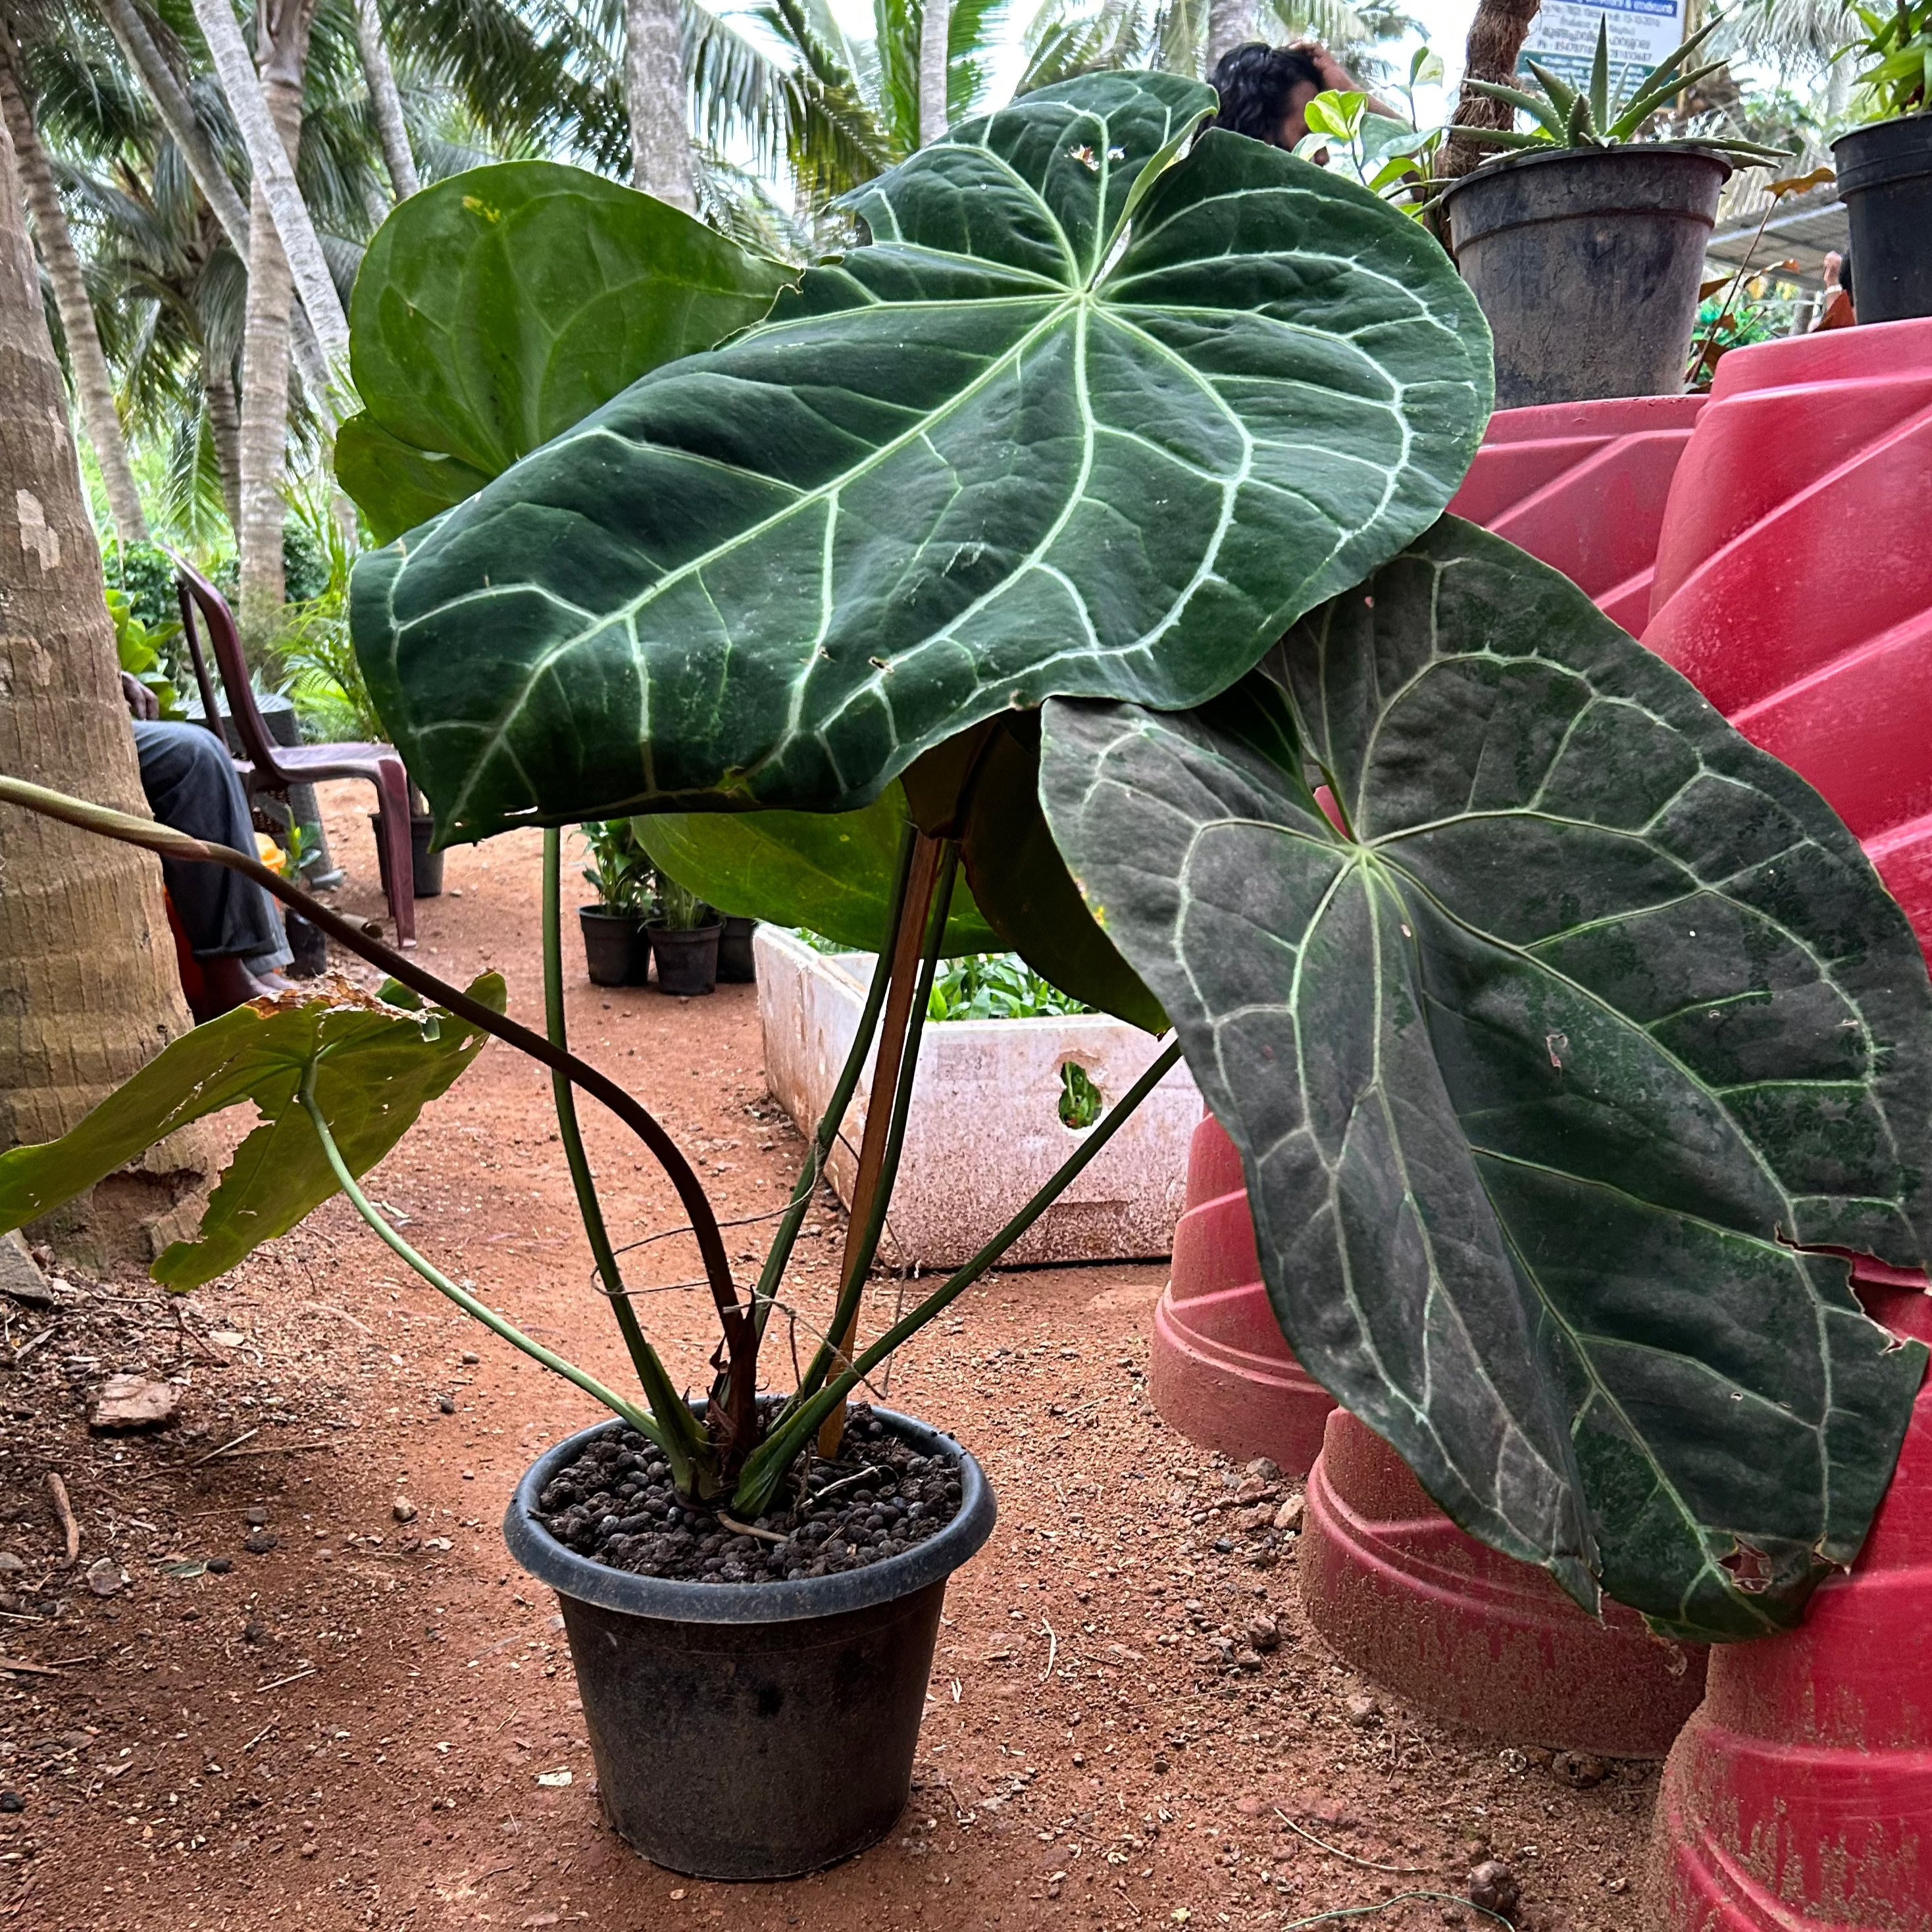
{"x":1537,"y":1069}
{"x":498,"y":307}
{"x":375,"y":1065}
{"x":1094,"y":412}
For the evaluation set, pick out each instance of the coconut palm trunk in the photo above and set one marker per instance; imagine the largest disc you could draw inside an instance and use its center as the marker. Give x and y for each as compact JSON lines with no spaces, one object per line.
{"x":176,"y":114}
{"x":94,"y":386}
{"x":224,"y":429}
{"x":935,"y":28}
{"x":654,"y":94}
{"x":88,"y":988}
{"x":1496,"y":35}
{"x":385,"y":100}
{"x":1229,"y":23}
{"x":282,"y":32}
{"x":281,"y":54}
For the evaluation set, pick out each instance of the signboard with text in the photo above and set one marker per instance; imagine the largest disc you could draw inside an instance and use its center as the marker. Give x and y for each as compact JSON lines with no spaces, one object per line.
{"x":1563,"y":37}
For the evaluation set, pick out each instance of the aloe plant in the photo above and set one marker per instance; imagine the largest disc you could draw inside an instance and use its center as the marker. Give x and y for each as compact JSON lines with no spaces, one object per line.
{"x":1596,"y":115}
{"x":1570,"y":1043}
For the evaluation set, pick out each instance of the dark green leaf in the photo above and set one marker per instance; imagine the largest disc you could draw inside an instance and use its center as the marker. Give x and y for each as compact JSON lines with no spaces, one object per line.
{"x":376,"y":1067}
{"x":1537,"y":1071}
{"x":496,"y":308}
{"x":1004,"y":451}
{"x":832,"y":872}
{"x":1026,"y":891}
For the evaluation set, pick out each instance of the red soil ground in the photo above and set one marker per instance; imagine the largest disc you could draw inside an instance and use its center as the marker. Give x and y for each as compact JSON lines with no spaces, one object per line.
{"x":352,"y":1728}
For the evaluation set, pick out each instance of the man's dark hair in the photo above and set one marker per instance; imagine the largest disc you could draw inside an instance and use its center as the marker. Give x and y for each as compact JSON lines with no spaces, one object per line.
{"x":1254,"y":81}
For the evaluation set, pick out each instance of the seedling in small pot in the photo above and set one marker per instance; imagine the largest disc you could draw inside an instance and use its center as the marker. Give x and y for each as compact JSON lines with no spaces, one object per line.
{"x":1011,"y":585}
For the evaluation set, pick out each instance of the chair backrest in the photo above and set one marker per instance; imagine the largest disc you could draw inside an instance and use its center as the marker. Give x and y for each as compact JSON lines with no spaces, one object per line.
{"x":195,"y":593}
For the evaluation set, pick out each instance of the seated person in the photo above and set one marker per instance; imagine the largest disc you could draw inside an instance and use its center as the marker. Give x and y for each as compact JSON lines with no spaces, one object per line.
{"x":231,"y":925}
{"x":1265,"y":91}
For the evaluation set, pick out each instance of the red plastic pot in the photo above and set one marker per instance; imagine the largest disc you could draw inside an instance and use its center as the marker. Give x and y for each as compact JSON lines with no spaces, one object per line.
{"x":1582,"y":486}
{"x":1458,"y":1629}
{"x":1794,"y":582}
{"x":1220,"y":1372}
{"x":1794,"y":587}
{"x":1799,"y":1798}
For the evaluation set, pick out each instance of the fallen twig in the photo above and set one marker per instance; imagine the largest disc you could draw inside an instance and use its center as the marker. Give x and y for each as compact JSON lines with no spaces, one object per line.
{"x":732,"y":1523}
{"x":26,"y":1349}
{"x":64,"y":1509}
{"x":291,"y":1677}
{"x":226,"y":1446}
{"x":1336,"y":1852}
{"x":260,"y":1734}
{"x":1364,"y":1911}
{"x":1052,"y":1649}
{"x":843,"y":1483}
{"x":340,"y":1315}
{"x":242,"y":1455}
{"x":21,"y":1665}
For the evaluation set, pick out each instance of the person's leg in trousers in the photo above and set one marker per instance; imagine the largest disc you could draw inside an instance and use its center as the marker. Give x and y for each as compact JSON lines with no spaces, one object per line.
{"x":192,"y":785}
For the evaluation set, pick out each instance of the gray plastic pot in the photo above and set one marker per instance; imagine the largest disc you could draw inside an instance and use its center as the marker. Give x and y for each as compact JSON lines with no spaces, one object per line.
{"x":1587,"y":264}
{"x":754,"y":1730}
{"x":1885,"y":178}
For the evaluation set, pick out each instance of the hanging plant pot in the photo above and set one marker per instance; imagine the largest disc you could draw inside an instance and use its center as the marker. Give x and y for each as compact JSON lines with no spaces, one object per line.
{"x":1587,"y":264}
{"x":817,"y":1684}
{"x":1885,"y":177}
{"x":617,"y":946}
{"x":425,"y":866}
{"x":687,"y":959}
{"x":1458,"y":1629}
{"x":737,"y":966}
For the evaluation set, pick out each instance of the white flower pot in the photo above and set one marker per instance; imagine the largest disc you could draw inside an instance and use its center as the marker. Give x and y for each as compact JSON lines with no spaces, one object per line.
{"x":985,"y":1131}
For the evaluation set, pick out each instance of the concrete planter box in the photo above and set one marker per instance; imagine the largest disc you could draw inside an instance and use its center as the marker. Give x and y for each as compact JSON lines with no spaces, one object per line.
{"x":985,"y":1131}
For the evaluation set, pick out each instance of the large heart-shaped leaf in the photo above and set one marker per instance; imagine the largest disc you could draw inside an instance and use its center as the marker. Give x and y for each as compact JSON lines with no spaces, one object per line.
{"x":830,"y":871}
{"x":375,"y":1066}
{"x":1538,"y":1069}
{"x":1087,"y":416}
{"x":496,"y":308}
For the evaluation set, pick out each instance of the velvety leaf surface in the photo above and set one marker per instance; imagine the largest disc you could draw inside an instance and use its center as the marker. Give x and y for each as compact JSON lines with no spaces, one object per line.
{"x":832,"y":872}
{"x":496,"y":308}
{"x":1004,"y":451}
{"x":1538,"y":1069}
{"x":376,"y":1067}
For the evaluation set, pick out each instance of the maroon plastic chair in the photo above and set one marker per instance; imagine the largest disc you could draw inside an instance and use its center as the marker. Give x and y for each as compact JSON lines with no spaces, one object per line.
{"x":266,"y":765}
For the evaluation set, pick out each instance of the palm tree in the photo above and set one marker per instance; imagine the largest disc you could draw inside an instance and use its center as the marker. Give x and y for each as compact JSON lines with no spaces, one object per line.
{"x":94,"y":385}
{"x":88,"y":985}
{"x":385,"y":100}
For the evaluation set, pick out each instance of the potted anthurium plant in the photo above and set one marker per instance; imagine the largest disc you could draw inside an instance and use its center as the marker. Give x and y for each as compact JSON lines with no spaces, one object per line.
{"x":1089,"y":514}
{"x":1584,"y":241}
{"x":617,"y":927}
{"x":1885,"y":166}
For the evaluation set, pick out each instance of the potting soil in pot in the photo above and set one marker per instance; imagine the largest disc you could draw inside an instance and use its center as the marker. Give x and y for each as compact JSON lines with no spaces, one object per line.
{"x":616,"y":1504}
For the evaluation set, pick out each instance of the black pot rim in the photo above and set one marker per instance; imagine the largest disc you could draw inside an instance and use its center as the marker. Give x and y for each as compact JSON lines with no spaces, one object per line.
{"x":657,"y":929}
{"x":671,"y":1601}
{"x":1884,"y":153}
{"x":613,"y":913}
{"x":1616,"y":156}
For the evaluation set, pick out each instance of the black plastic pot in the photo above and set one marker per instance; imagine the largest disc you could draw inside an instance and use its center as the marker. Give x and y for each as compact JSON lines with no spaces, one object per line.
{"x":687,"y":957}
{"x":310,"y":945}
{"x":425,"y":866}
{"x":735,"y":965}
{"x":1885,"y":178}
{"x":617,"y":946}
{"x":1587,"y":264}
{"x":754,"y":1730}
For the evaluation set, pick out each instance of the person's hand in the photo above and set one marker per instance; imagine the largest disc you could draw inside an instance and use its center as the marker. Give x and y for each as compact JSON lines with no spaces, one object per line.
{"x":142,"y":702}
{"x":1335,"y":77}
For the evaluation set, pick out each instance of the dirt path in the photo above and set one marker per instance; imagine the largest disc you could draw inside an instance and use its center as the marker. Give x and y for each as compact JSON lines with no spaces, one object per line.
{"x":355,"y":1726}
